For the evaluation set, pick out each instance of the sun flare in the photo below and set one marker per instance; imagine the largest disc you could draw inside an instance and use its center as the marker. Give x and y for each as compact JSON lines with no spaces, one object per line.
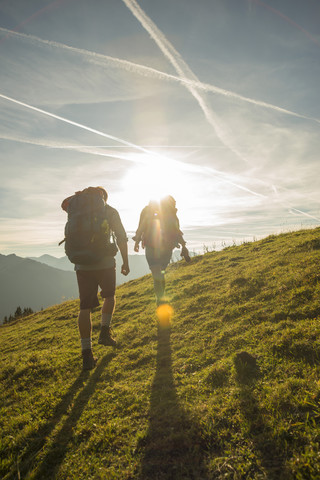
{"x":164,"y":314}
{"x":154,"y":178}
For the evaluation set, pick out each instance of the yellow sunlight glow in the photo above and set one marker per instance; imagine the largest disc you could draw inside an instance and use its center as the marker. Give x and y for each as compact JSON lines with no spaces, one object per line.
{"x":164,"y":314}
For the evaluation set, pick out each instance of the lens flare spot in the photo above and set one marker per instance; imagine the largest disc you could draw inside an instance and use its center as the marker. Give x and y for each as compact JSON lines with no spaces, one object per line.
{"x":164,"y":314}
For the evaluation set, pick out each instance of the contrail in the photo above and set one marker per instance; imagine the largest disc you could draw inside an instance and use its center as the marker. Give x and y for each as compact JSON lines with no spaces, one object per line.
{"x":181,"y":68}
{"x":184,"y":71}
{"x":76,"y":124}
{"x":223,"y":177}
{"x":287,"y":19}
{"x":36,"y":14}
{"x":149,"y":72}
{"x":304,"y":213}
{"x":192,"y":83}
{"x":190,"y":80}
{"x":93,"y":150}
{"x":186,"y":167}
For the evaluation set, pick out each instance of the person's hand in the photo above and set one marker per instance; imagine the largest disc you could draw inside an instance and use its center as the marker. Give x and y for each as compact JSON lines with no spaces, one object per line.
{"x":185,"y":254}
{"x":125,"y":269}
{"x":136,"y":247}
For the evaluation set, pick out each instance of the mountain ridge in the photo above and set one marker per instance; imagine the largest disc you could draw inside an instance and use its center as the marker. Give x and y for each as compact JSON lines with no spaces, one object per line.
{"x":28,"y":283}
{"x":47,"y":285}
{"x":138,"y":265}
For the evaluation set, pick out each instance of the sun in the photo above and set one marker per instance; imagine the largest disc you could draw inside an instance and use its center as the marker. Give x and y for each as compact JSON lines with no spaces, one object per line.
{"x":148,"y":182}
{"x":152,"y":179}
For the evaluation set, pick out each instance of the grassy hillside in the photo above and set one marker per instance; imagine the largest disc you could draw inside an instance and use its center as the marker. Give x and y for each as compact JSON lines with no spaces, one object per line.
{"x":230,"y":390}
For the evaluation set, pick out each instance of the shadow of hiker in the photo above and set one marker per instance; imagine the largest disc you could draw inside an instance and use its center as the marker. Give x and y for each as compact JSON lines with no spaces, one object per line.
{"x":267,"y":447}
{"x":56,"y":453}
{"x":172,"y":446}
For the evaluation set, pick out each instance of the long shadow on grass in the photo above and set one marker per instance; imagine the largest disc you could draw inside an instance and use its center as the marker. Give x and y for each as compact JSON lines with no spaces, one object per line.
{"x":172,"y":446}
{"x":58,"y":449}
{"x":269,"y":450}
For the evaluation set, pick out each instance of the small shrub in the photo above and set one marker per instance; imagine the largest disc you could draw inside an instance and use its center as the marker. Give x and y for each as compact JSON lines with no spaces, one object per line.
{"x":245,"y":366}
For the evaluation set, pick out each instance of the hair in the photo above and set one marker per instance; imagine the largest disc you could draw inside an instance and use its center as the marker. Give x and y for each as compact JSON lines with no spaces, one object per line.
{"x":103,"y":192}
{"x":168,"y":201}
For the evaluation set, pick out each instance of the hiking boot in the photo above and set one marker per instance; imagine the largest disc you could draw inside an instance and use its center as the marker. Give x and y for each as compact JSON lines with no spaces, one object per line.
{"x":105,"y":337}
{"x":89,"y":361}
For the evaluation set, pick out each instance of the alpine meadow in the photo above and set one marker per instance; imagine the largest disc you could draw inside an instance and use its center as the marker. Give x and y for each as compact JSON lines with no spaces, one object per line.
{"x":228,"y":389}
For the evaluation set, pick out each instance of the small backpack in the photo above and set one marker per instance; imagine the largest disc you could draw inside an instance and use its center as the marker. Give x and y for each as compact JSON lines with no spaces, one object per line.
{"x":161,"y":227}
{"x":87,"y":231}
{"x":152,"y":234}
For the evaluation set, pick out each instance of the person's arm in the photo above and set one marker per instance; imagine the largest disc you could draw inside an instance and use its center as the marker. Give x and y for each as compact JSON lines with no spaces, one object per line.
{"x":122,"y":240}
{"x":138,"y":236}
{"x":123,"y":247}
{"x":181,"y":241}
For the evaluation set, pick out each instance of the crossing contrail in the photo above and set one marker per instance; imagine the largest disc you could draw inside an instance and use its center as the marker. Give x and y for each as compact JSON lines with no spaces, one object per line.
{"x":149,"y":72}
{"x":190,"y":80}
{"x":185,"y":77}
{"x":186,"y":73}
{"x":182,"y":69}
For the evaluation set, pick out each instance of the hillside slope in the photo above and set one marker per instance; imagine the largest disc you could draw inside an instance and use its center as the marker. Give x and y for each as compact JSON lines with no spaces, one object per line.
{"x":230,"y":390}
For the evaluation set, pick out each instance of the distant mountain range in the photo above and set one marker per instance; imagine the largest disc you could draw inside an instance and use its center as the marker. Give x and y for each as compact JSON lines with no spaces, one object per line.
{"x":62,"y":263}
{"x":39,"y":282}
{"x":138,"y":266}
{"x":27,"y":283}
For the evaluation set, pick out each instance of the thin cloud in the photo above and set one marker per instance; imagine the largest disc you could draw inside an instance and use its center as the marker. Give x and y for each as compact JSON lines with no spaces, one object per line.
{"x":187,"y":167}
{"x":115,"y":154}
{"x":131,"y":67}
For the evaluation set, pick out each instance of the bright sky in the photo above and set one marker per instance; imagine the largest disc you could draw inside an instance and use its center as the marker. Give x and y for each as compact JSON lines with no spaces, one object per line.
{"x":215,"y":102}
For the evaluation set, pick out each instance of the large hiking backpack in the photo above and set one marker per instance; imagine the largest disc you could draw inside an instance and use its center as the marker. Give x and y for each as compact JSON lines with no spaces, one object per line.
{"x":87,"y":231}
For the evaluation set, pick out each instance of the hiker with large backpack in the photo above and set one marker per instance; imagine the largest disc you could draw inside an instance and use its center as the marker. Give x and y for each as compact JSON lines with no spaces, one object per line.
{"x":93,"y":233}
{"x":159,"y":233}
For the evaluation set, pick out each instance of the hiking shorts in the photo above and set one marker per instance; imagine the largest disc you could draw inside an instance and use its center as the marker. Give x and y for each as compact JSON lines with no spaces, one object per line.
{"x":89,"y":282}
{"x":157,"y":256}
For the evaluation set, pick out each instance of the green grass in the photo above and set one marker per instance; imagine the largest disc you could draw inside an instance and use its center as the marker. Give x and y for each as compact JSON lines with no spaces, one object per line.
{"x":182,"y":402}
